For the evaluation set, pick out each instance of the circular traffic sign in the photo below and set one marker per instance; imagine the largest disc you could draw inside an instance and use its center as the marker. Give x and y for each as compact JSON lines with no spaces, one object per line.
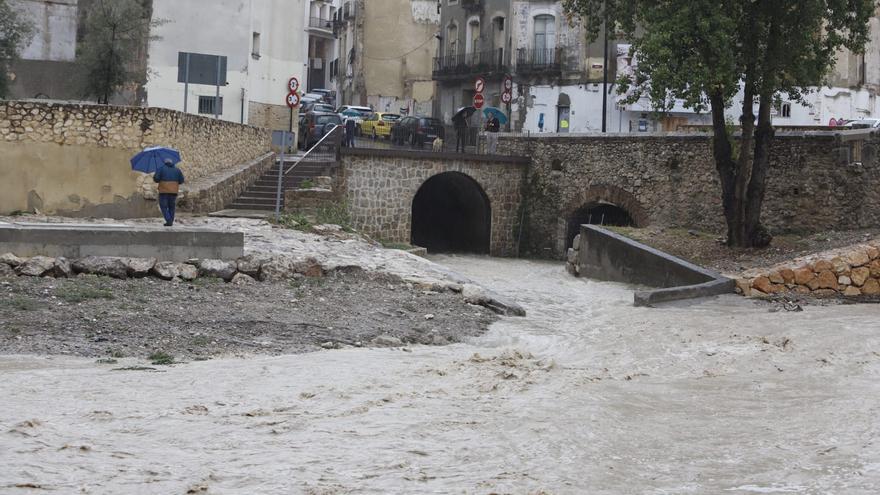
{"x":508,"y":83}
{"x":506,"y":97}
{"x":479,"y":84}
{"x":293,"y":85}
{"x":293,"y":100}
{"x":479,"y":101}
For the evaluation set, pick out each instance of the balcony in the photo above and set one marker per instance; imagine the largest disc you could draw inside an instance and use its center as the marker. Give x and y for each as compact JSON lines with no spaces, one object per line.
{"x":472,"y":5}
{"x":319,"y":25}
{"x":464,"y":65}
{"x":545,"y":61}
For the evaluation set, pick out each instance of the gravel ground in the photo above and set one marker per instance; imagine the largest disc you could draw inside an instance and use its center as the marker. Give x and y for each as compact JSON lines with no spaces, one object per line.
{"x":105,"y":318}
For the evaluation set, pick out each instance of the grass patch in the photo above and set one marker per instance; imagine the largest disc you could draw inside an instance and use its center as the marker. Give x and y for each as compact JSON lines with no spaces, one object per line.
{"x":21,"y":303}
{"x":161,"y":358}
{"x":117,"y":353}
{"x":76,"y":294}
{"x":306,"y":184}
{"x":201,"y":340}
{"x":335,"y":214}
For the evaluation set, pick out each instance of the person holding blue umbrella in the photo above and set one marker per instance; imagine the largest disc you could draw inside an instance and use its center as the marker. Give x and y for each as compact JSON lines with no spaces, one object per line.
{"x":160,"y":162}
{"x":169,"y":179}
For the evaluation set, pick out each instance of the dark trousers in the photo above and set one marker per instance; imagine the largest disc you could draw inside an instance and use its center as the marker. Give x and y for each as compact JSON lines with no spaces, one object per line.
{"x":460,"y":138}
{"x":349,"y":138}
{"x":168,"y":204}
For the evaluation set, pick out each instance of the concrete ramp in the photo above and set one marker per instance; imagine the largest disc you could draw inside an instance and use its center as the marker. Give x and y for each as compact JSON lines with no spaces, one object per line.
{"x":73,"y":241}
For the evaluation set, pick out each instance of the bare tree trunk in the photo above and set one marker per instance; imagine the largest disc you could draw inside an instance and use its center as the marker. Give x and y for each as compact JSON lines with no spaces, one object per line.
{"x":724,"y":163}
{"x":743,"y":169}
{"x":757,"y":236}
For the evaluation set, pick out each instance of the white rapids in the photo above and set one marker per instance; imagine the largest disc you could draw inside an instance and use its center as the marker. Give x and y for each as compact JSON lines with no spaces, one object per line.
{"x":585,"y":395}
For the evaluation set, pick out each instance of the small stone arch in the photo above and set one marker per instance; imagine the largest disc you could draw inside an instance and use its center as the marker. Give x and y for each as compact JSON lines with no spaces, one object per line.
{"x":620,"y":206}
{"x":451,"y":212}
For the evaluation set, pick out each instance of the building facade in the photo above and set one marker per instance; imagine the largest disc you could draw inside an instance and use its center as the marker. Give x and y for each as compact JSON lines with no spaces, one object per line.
{"x":322,"y":47}
{"x":260,"y":44}
{"x":386,"y":47}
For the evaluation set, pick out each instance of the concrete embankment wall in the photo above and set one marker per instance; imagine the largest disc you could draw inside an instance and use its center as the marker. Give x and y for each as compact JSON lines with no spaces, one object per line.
{"x":603,"y":255}
{"x":73,"y":159}
{"x":817,"y":181}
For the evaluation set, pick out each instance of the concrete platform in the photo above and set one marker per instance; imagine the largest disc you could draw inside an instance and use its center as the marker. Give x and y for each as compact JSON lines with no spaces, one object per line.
{"x":72,"y":240}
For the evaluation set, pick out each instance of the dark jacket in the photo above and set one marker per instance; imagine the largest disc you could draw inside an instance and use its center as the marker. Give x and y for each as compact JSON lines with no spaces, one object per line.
{"x":169,"y":179}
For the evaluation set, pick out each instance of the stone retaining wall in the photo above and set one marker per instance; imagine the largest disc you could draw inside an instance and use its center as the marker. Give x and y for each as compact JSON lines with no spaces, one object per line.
{"x":214,"y":192}
{"x":851,"y":272}
{"x":72,"y":157}
{"x":817,"y":181}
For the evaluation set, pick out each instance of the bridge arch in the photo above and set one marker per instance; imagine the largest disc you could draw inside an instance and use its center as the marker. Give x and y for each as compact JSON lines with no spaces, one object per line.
{"x":452,"y":213}
{"x":601,"y":204}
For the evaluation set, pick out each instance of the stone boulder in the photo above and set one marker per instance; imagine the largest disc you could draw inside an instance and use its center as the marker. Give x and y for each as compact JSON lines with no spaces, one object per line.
{"x":276,"y":269}
{"x":858,"y":258}
{"x":6,"y":270}
{"x":763,"y":284}
{"x":826,"y":280}
{"x":166,"y":270}
{"x":860,"y":275}
{"x":841,"y":267}
{"x":108,"y":266}
{"x":251,"y":265}
{"x":852,"y":291}
{"x":62,"y":268}
{"x":871,"y":287}
{"x":309,"y":267}
{"x":187,"y":272}
{"x":11,"y":260}
{"x":387,"y":341}
{"x":875,"y":268}
{"x":823,"y":265}
{"x":140,"y":267}
{"x":873,"y":252}
{"x":37,"y":266}
{"x":242,"y":279}
{"x":787,"y":275}
{"x":217,"y":268}
{"x":803,"y":275}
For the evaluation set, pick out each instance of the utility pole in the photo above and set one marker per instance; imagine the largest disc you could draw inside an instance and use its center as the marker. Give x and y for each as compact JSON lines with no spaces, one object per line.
{"x":605,"y":78}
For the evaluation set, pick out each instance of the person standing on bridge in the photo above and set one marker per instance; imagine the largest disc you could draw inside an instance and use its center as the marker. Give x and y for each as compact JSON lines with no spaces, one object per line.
{"x":169,"y":179}
{"x":350,"y":126}
{"x":461,"y":126}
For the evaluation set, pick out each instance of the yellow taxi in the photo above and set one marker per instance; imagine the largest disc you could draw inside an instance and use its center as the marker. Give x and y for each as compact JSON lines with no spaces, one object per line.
{"x":378,"y":124}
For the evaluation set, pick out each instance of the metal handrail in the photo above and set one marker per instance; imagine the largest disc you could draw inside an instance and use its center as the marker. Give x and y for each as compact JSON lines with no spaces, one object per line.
{"x":335,"y":130}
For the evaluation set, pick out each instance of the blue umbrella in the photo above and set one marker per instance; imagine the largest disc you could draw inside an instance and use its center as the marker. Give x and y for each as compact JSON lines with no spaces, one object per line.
{"x":151,"y":159}
{"x":502,"y":119}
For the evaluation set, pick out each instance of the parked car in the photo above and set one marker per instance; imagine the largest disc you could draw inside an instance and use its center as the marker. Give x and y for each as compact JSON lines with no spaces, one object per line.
{"x":379,"y":124}
{"x":314,"y":125}
{"x":329,"y":96}
{"x":314,"y":96}
{"x":416,"y":131}
{"x":356,"y":113}
{"x":317,"y":106}
{"x":863,"y":124}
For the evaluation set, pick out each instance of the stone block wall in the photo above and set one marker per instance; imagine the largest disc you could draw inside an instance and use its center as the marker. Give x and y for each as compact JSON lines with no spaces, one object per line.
{"x":56,"y":151}
{"x":815,"y":182}
{"x":379,"y":187}
{"x":216,"y":191}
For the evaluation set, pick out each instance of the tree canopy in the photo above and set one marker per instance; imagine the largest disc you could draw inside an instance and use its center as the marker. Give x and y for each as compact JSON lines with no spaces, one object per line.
{"x":705,"y":52}
{"x":15,"y":32}
{"x":116,"y":34}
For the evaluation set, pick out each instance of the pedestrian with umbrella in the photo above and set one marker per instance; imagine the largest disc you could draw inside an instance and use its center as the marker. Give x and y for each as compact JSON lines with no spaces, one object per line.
{"x":160,"y":162}
{"x":459,"y":122}
{"x":493,"y":125}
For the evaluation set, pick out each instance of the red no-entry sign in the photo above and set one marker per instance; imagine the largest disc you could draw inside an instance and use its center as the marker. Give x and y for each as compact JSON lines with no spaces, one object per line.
{"x":479,"y":101}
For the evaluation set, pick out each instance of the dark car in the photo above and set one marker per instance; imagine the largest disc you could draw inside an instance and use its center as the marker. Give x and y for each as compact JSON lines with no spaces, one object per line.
{"x":416,"y":131}
{"x":314,"y":126}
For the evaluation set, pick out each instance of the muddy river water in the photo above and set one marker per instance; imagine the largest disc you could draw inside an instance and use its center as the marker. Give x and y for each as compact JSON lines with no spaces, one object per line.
{"x":585,"y":395}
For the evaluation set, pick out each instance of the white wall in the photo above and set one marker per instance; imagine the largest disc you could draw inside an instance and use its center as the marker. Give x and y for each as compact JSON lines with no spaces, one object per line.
{"x":55,"y":29}
{"x":227,"y":29}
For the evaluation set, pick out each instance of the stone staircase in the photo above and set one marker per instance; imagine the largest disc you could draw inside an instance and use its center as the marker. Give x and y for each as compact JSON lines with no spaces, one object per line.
{"x":261,"y":194}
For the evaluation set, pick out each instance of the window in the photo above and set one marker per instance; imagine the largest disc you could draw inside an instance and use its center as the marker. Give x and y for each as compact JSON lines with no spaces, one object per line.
{"x":255,"y":50}
{"x":453,"y":2}
{"x":452,"y":37}
{"x":206,"y":105}
{"x":473,"y":36}
{"x":786,"y":110}
{"x":545,"y":33}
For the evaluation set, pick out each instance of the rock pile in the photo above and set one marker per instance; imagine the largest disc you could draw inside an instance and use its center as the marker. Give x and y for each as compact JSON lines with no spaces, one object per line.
{"x":245,"y":270}
{"x":853,"y":272}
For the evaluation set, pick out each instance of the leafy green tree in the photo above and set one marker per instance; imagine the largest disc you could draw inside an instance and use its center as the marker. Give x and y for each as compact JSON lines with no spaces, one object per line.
{"x":703,"y":52}
{"x":116,"y":33}
{"x":15,"y":32}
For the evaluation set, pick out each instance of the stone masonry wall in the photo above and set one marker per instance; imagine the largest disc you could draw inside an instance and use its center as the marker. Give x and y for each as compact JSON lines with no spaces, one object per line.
{"x":89,"y":135}
{"x":816,"y":182}
{"x":379,"y":189}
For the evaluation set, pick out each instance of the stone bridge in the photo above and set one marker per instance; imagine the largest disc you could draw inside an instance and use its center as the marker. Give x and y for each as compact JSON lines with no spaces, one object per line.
{"x":533,"y":206}
{"x":441,"y":201}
